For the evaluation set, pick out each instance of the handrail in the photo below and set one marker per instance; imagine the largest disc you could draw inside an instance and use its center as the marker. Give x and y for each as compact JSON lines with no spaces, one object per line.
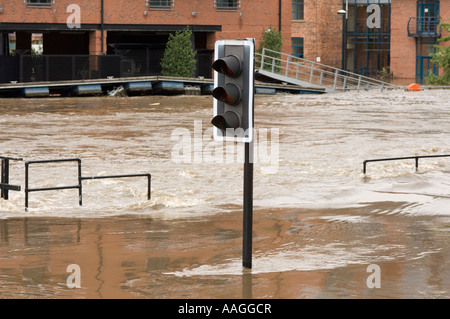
{"x":424,"y":26}
{"x":80,"y":179}
{"x":5,"y":187}
{"x":415,"y":157}
{"x":11,"y":158}
{"x":149,"y":179}
{"x":28,"y":190}
{"x":317,"y":73}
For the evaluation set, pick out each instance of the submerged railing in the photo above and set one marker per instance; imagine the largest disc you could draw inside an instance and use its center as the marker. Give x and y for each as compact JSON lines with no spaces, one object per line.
{"x":416,"y":158}
{"x":5,"y":186}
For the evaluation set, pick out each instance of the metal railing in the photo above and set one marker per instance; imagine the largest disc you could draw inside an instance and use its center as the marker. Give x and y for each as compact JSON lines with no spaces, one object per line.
{"x":57,"y":67}
{"x":148,"y":175}
{"x":40,"y":189}
{"x":285,"y":66}
{"x":5,"y":186}
{"x":416,"y":158}
{"x":424,"y":27}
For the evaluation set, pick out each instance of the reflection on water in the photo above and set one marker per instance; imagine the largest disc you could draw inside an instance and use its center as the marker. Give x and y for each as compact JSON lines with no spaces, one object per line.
{"x":298,"y":254}
{"x":318,"y":222}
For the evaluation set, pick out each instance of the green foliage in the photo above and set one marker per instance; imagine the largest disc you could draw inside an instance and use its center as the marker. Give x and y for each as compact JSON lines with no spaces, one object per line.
{"x":270,"y":39}
{"x":179,"y":57}
{"x":442,"y":59}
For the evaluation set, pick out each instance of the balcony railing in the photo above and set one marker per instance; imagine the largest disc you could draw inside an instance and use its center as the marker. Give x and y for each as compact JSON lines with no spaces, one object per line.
{"x":424,"y":27}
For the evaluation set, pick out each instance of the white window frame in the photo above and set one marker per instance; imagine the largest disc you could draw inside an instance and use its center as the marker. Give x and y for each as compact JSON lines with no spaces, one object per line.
{"x":216,"y":5}
{"x":161,"y":7}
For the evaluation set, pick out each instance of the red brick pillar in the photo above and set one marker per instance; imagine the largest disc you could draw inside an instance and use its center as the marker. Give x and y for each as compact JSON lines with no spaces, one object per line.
{"x":95,"y":42}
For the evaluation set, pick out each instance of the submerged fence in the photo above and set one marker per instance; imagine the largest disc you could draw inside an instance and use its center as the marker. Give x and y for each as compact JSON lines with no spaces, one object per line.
{"x":416,"y":158}
{"x":5,"y":186}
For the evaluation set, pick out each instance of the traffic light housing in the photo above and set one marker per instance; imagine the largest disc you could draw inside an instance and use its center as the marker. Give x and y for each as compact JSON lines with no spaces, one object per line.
{"x":233,"y":90}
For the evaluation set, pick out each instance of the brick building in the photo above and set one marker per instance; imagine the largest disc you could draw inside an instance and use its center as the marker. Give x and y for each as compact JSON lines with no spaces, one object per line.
{"x":400,"y":40}
{"x":400,"y":44}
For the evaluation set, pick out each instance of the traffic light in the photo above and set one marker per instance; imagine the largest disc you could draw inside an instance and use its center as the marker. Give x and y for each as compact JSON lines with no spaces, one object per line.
{"x":233,"y":90}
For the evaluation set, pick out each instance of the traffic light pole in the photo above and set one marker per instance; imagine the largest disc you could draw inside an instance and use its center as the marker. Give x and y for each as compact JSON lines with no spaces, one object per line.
{"x":248,"y":207}
{"x":233,"y":115}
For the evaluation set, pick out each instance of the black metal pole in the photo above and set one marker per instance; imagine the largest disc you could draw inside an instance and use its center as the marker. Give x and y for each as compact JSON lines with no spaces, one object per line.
{"x":5,"y":178}
{"x":6,"y":175}
{"x":102,"y":26}
{"x":248,"y":207}
{"x":80,"y":185}
{"x":26,"y":186}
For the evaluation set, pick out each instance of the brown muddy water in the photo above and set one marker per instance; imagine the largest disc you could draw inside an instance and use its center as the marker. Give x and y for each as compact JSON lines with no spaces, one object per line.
{"x":319,"y":223}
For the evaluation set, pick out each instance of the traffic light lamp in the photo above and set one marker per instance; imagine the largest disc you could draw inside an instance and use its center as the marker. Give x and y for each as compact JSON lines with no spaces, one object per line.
{"x":233,"y":90}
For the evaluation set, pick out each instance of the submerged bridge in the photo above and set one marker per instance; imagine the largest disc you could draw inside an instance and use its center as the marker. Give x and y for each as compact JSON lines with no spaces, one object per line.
{"x":280,"y":67}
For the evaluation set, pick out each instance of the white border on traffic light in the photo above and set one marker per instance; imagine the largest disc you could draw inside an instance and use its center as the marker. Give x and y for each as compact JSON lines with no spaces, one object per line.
{"x":249,"y":134}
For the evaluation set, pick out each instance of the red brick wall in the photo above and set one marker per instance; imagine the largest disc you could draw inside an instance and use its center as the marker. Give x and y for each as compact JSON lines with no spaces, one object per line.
{"x":403,"y":48}
{"x":322,"y":31}
{"x":245,"y":22}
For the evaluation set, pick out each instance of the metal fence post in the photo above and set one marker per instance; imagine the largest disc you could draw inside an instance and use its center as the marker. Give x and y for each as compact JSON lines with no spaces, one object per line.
{"x":5,"y":177}
{"x":26,"y":186}
{"x":80,"y":191}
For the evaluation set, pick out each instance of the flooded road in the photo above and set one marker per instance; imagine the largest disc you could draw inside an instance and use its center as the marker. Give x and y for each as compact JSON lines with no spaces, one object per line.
{"x":319,"y":223}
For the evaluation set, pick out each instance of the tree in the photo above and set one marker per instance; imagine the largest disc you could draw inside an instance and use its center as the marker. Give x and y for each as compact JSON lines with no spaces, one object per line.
{"x":270,"y":39}
{"x":442,"y":59}
{"x":179,"y":57}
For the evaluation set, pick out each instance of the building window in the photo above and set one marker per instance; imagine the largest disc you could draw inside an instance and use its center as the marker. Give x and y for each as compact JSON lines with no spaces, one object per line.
{"x":366,"y":49}
{"x":298,"y":9}
{"x":39,"y":3}
{"x":161,"y":4}
{"x":297,"y":47}
{"x":227,"y":4}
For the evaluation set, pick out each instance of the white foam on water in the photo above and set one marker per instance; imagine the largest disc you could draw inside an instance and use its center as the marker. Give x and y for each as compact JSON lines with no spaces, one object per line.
{"x":309,"y":258}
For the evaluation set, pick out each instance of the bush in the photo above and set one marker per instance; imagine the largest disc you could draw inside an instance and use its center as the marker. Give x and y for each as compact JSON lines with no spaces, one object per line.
{"x":179,"y":57}
{"x":442,"y":59}
{"x":271,"y":39}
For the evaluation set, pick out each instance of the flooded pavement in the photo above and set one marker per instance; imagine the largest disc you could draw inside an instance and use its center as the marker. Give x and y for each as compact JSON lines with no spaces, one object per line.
{"x":319,"y":223}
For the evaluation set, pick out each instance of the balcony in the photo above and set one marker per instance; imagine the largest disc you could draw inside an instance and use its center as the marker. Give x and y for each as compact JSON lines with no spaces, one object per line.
{"x":424,"y":27}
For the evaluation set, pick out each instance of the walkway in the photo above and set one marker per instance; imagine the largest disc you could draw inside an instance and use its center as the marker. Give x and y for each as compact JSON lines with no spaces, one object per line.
{"x":305,"y":73}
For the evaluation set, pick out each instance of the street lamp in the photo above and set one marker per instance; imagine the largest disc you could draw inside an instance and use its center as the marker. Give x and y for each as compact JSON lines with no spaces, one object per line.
{"x":344,"y":14}
{"x":342,"y":11}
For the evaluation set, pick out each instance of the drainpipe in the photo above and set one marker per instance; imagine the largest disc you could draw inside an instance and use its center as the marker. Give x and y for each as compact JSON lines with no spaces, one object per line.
{"x":279,"y":15}
{"x":102,"y":27}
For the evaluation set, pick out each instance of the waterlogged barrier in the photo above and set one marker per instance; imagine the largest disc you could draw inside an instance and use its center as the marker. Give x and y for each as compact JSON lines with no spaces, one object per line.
{"x":4,"y":186}
{"x":416,"y":158}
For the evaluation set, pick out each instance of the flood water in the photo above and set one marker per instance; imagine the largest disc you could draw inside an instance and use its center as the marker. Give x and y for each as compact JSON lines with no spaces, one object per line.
{"x":318,"y":221}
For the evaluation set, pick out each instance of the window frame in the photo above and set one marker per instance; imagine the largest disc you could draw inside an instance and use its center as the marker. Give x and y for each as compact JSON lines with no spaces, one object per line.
{"x":169,"y":6}
{"x":227,"y":8}
{"x":298,"y":4}
{"x":296,"y":47}
{"x":39,"y":4}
